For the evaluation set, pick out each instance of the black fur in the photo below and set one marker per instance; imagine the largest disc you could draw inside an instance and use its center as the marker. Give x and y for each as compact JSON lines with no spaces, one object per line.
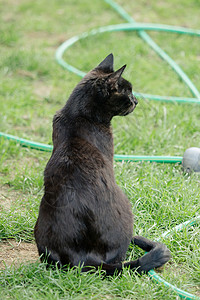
{"x":84,"y":217}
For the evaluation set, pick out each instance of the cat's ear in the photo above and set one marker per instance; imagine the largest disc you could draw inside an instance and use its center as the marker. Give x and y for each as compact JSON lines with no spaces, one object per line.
{"x":115,"y":76}
{"x":107,"y":64}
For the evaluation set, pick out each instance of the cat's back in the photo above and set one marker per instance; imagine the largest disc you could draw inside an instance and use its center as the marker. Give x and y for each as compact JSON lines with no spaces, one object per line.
{"x":80,"y":170}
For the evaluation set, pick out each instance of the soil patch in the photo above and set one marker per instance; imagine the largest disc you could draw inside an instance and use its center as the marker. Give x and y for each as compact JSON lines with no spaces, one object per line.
{"x":12,"y":252}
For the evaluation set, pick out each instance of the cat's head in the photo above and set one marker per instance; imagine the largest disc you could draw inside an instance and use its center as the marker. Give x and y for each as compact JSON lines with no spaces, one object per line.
{"x":104,"y":93}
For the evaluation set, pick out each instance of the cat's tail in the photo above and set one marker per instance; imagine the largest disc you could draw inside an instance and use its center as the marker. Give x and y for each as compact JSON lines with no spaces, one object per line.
{"x":157,"y":255}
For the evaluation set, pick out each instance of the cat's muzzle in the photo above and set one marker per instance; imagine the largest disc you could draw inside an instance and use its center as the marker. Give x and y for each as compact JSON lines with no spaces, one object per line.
{"x":134,"y":102}
{"x":134,"y":99}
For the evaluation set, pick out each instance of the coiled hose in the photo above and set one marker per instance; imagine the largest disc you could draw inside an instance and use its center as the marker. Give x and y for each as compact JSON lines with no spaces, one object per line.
{"x":140,"y":28}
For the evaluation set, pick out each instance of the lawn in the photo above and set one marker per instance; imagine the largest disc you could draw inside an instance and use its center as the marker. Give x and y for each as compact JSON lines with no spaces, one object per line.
{"x":33,"y":87}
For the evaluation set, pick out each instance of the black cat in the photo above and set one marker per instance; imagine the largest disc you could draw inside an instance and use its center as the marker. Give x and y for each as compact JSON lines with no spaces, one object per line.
{"x":84,"y":217}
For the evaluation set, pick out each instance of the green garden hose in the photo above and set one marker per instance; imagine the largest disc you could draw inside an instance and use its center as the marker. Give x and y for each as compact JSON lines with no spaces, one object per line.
{"x":117,"y":157}
{"x":140,"y":28}
{"x":27,"y":143}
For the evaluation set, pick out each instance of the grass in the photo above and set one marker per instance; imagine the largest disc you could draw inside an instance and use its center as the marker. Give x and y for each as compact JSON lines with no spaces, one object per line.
{"x":33,"y":87}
